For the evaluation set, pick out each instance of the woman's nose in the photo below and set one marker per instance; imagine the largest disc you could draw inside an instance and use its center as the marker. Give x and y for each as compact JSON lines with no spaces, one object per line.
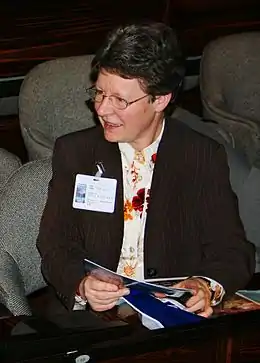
{"x":104,"y":107}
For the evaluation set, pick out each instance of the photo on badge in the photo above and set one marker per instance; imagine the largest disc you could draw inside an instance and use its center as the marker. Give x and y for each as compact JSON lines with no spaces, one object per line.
{"x":80,"y":196}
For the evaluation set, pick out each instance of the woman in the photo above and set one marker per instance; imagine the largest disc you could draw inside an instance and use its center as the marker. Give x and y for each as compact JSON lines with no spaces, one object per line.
{"x":163,"y":206}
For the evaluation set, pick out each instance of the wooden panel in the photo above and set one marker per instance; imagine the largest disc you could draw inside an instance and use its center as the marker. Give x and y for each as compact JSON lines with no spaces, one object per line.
{"x":213,"y":352}
{"x":200,"y":6}
{"x":33,"y":32}
{"x":200,"y":21}
{"x":30,"y":34}
{"x":247,"y":349}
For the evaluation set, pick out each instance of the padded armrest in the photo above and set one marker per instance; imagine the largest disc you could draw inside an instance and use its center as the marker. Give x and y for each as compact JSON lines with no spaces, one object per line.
{"x":8,"y":164}
{"x":12,"y":294}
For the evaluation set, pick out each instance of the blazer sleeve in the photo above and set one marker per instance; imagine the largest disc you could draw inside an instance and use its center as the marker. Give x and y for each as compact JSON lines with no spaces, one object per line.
{"x":59,"y":241}
{"x":227,"y":256}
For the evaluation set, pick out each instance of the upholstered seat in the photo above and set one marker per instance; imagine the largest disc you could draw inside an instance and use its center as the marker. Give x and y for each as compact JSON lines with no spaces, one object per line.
{"x":8,"y":164}
{"x":22,"y":200}
{"x":52,"y":102}
{"x":230,"y":89}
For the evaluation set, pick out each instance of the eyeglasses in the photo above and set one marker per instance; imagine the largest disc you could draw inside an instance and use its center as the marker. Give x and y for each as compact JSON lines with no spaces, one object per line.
{"x":98,"y":96}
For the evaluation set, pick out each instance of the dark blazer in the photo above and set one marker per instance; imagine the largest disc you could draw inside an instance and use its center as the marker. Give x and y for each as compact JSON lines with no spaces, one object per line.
{"x":192,"y":227}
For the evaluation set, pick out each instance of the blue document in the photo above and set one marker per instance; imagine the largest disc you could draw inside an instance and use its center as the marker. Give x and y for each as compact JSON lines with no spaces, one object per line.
{"x":159,"y":313}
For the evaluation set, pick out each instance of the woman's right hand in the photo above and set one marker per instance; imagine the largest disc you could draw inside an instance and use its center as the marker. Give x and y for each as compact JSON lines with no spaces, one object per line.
{"x":100,"y":295}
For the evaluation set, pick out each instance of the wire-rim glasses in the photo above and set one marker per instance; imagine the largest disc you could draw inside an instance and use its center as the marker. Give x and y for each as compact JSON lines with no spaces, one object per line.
{"x":120,"y":103}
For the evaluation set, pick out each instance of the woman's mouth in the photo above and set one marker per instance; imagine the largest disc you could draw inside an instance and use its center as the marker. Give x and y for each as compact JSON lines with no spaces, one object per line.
{"x":110,"y":126}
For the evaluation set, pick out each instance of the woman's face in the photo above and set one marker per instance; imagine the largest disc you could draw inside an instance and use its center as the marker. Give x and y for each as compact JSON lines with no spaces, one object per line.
{"x":138,"y":124}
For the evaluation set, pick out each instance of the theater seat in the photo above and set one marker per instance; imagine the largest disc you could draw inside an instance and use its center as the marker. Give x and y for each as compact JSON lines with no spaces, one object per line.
{"x":52,"y":102}
{"x":230,"y":89}
{"x":8,"y":164}
{"x":22,"y":200}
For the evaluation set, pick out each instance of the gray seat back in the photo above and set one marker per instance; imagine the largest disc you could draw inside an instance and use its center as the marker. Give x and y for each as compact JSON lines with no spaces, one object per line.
{"x":8,"y":164}
{"x":230,"y":89}
{"x":52,"y":102}
{"x":22,"y":200}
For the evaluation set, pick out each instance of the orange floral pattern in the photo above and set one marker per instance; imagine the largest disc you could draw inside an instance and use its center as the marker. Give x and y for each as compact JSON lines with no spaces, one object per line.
{"x":128,"y":208}
{"x":129,"y":269}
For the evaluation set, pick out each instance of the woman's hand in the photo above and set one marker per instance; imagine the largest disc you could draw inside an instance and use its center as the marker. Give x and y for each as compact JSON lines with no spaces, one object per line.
{"x":100,"y":295}
{"x":200,"y":301}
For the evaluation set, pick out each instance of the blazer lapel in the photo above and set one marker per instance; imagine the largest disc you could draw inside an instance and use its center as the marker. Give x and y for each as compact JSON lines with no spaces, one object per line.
{"x":112,"y":224}
{"x":166,"y":183}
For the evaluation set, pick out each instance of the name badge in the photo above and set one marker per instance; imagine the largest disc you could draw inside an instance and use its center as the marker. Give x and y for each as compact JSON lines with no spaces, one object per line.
{"x":94,"y":193}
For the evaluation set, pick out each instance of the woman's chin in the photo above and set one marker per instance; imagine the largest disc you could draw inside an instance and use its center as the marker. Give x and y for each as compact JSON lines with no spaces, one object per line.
{"x":113,"y":136}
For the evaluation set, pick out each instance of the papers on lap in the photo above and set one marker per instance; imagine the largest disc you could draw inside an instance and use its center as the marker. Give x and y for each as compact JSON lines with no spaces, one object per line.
{"x":161,"y":286}
{"x":159,"y":304}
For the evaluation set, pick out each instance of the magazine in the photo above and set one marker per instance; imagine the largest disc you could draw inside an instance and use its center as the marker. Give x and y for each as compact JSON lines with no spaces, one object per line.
{"x":251,"y":295}
{"x":180,"y":295}
{"x":159,"y":304}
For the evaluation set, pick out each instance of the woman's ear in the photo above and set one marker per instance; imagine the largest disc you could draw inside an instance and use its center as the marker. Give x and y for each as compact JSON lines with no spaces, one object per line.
{"x":161,"y":102}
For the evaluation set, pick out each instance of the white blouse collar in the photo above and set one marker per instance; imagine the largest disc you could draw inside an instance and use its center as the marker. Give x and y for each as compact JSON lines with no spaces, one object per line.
{"x":129,"y":152}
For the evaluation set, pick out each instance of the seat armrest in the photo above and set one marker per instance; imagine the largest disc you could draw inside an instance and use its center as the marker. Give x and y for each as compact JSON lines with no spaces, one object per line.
{"x":12,"y":293}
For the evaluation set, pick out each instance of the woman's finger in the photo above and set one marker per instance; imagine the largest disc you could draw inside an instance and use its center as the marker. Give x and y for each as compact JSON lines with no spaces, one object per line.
{"x":100,"y":307}
{"x":94,"y":284}
{"x":106,"y":295}
{"x":199,"y":306}
{"x":196,"y":298}
{"x":207,"y":312}
{"x":102,"y":301}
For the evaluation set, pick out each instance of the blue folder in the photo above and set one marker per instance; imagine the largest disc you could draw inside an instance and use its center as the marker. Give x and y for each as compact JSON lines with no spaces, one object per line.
{"x":165,"y":313}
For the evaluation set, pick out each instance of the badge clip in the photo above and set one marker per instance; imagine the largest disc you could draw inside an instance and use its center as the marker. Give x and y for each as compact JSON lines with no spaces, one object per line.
{"x":100,"y":170}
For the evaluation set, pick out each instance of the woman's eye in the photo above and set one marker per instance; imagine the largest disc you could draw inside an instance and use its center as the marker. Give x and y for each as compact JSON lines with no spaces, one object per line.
{"x":98,"y":92}
{"x":120,"y":100}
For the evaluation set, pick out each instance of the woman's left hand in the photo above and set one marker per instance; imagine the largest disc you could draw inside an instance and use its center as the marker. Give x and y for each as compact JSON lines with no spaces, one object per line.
{"x":200,"y":301}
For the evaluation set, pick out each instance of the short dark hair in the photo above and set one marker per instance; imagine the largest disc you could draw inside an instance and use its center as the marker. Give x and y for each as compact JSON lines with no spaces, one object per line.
{"x":149,"y":52}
